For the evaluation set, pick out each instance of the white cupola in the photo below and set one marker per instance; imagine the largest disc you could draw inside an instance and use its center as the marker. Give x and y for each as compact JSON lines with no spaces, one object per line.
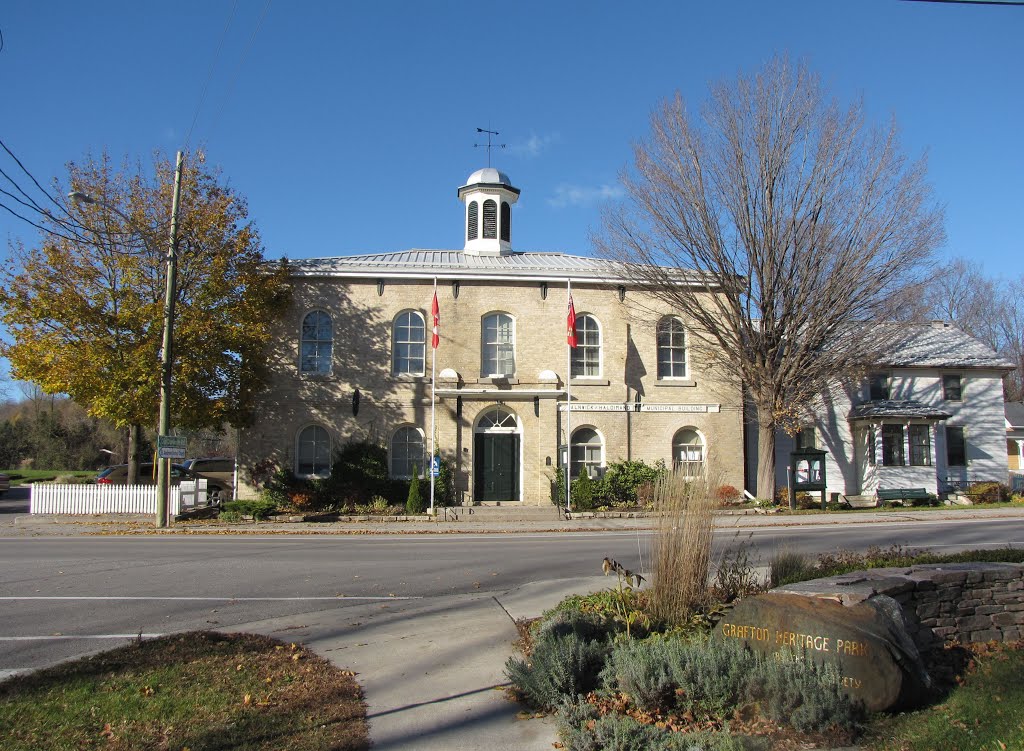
{"x":488,"y":195}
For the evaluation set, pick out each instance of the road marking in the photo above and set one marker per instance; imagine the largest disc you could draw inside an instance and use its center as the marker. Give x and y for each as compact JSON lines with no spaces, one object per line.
{"x":204,"y":599}
{"x":58,"y":637}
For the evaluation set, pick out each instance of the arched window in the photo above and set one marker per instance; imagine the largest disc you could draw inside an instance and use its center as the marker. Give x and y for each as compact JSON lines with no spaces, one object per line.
{"x":317,"y":339}
{"x":497,"y":420}
{"x":688,"y":452}
{"x":497,"y":353}
{"x":586,"y":355}
{"x":490,"y":219}
{"x":586,"y":453}
{"x":409,"y":343}
{"x":671,"y":348}
{"x":473,"y":221}
{"x":407,"y":452}
{"x":506,"y":222}
{"x":313,"y":454}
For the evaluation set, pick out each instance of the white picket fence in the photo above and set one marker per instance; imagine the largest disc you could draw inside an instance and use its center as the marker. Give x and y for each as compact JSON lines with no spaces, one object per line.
{"x":46,"y":498}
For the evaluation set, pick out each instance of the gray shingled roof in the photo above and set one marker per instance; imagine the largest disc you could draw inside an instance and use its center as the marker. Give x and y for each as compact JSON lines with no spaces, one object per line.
{"x":457,"y":264}
{"x":1014,"y":414}
{"x":940,"y":345}
{"x":907,"y":408}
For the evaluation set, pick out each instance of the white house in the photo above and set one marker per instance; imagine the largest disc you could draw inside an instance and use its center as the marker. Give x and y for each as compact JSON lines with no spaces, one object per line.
{"x":930,"y":415}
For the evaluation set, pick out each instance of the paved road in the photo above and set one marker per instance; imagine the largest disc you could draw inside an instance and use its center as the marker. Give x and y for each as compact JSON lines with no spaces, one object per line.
{"x":61,"y":597}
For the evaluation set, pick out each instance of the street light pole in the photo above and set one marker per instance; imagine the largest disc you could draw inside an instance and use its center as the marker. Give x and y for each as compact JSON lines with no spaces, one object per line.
{"x":167,"y":355}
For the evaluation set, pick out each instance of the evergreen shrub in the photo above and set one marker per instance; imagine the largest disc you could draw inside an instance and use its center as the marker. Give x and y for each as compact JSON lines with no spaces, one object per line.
{"x":582,"y":493}
{"x":415,"y":504}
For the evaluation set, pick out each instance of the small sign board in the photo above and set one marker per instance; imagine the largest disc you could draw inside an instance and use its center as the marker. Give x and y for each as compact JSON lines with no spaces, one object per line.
{"x":435,"y":467}
{"x":171,"y":446}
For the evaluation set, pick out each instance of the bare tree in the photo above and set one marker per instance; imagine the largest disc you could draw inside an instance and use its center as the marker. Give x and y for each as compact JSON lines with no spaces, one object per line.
{"x":989,"y":309}
{"x":797,"y":226}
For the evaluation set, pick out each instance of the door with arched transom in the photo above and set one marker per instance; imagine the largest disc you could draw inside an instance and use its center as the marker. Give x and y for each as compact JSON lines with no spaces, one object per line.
{"x":496,"y":449}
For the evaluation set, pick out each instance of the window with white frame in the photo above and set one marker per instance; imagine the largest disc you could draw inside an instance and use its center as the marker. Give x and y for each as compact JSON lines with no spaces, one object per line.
{"x":688,"y":452}
{"x":892,"y":446}
{"x":586,"y":355}
{"x":497,"y":355}
{"x":879,"y":386}
{"x":920,"y":439}
{"x":316,"y":344}
{"x":952,"y":387}
{"x":408,"y":336}
{"x":671,"y":348}
{"x":313,"y":453}
{"x":956,"y":446}
{"x":586,"y":453}
{"x":407,"y":452}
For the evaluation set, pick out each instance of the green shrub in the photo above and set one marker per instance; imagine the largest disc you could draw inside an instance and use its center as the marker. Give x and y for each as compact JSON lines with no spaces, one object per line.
{"x":582,"y":728}
{"x":624,"y":482}
{"x":444,"y":485}
{"x":988,"y":492}
{"x":582,"y":493}
{"x":786,"y":567}
{"x":415,"y":504}
{"x":559,"y":667}
{"x":712,"y":679}
{"x":569,"y":651}
{"x":257,"y":509}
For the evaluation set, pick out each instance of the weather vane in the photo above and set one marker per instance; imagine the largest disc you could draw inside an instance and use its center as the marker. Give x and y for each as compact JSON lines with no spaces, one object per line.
{"x":489,"y":145}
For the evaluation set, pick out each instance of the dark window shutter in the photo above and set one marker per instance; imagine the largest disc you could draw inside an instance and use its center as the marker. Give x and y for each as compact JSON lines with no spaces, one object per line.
{"x":506,"y":222}
{"x":472,"y":223}
{"x":490,"y":220}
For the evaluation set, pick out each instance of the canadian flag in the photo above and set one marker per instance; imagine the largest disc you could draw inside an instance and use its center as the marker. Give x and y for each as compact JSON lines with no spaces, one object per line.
{"x":436,"y":313}
{"x":570,"y":324}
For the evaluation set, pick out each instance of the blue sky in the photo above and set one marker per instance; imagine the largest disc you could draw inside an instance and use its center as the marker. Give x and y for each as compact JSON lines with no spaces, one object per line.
{"x":349,"y":126}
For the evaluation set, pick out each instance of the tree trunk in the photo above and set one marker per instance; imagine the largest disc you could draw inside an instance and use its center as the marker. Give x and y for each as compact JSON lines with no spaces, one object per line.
{"x":134,"y":439}
{"x":765,"y":457}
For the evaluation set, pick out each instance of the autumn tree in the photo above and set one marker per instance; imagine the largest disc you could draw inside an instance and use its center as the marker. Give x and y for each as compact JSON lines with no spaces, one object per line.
{"x":84,"y":308}
{"x":779,"y":225}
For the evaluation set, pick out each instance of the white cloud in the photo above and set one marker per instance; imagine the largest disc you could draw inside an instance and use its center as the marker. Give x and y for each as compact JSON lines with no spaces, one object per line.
{"x":534,"y":145}
{"x":582,"y":195}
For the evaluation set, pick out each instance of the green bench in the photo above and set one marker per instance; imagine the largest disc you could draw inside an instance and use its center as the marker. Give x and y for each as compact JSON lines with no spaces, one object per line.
{"x":902,"y":495}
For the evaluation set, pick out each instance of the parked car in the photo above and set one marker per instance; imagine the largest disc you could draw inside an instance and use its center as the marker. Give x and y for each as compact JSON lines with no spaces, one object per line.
{"x":218,"y":468}
{"x":5,"y":483}
{"x":117,"y":474}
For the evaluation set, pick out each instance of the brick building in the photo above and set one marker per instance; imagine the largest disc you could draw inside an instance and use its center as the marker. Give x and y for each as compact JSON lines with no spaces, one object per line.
{"x":353,"y":360}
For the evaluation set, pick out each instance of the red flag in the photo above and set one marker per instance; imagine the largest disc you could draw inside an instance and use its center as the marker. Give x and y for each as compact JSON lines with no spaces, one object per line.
{"x":436,"y":313}
{"x":570,"y":324}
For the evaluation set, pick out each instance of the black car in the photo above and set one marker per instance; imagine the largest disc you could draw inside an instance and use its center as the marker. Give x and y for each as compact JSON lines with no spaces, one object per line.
{"x":117,"y":474}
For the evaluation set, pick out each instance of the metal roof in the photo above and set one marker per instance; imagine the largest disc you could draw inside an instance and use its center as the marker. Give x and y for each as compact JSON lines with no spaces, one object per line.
{"x":455,"y":264}
{"x":941,"y":345}
{"x":908,"y":408}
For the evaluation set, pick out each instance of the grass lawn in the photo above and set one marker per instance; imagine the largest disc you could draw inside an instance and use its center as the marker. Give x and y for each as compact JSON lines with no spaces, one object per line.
{"x":22,"y":476}
{"x":986,"y":712}
{"x":201,"y":691}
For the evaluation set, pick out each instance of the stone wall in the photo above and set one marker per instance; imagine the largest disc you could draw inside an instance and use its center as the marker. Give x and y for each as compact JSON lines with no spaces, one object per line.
{"x":941,"y":603}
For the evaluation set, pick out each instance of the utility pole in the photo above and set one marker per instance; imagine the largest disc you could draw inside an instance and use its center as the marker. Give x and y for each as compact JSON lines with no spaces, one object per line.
{"x":167,"y":358}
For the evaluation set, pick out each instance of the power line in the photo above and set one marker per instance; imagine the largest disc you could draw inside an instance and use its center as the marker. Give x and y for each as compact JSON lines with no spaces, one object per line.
{"x":238,"y":68}
{"x":209,"y":73}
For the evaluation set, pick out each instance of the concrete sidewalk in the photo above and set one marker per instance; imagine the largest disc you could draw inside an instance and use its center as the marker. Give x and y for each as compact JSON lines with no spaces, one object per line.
{"x":13,"y":525}
{"x":433,"y":670}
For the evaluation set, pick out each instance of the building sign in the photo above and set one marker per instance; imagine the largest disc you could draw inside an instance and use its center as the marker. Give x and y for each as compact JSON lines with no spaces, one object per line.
{"x":642,"y":407}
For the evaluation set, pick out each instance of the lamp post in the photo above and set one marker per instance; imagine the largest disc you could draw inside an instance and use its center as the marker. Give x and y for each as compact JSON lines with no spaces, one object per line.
{"x":167,"y":358}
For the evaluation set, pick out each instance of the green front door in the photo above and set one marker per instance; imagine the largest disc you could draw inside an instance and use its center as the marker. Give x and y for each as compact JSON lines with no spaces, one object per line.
{"x":496,"y":467}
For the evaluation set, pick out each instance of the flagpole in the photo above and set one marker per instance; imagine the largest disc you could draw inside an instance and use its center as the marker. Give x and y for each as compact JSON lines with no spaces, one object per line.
{"x":568,"y":409}
{"x":433,"y":377}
